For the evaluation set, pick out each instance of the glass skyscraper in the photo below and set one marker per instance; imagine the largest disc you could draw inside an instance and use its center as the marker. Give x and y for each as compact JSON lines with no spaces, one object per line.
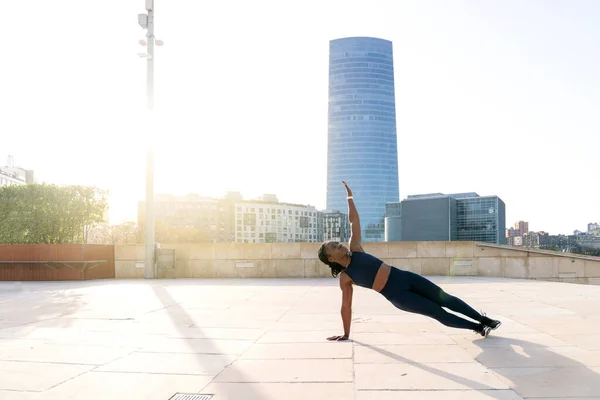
{"x":362,"y":147}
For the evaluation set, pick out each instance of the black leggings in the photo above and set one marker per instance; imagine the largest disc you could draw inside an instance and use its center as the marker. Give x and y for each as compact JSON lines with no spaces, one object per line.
{"x":413,"y":293}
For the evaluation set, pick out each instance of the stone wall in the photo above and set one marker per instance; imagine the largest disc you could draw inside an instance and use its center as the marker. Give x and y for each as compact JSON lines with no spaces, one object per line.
{"x":299,"y":260}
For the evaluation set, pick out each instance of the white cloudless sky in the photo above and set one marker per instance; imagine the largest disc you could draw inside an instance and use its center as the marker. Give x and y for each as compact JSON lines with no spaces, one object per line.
{"x":496,"y":97}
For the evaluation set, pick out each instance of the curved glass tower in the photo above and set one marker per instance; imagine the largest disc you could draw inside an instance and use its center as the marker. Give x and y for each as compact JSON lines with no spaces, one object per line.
{"x":362,"y":147}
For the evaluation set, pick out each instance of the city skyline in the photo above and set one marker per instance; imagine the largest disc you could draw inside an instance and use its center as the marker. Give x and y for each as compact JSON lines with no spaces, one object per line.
{"x":477,"y":83}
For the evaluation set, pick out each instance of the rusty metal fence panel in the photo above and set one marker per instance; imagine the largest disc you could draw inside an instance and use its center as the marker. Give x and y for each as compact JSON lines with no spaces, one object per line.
{"x":21,"y":270}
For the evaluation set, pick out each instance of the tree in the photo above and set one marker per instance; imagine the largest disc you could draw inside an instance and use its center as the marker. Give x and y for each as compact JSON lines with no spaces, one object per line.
{"x":100,"y":234}
{"x":49,"y":214}
{"x":585,"y":250}
{"x":124,"y":233}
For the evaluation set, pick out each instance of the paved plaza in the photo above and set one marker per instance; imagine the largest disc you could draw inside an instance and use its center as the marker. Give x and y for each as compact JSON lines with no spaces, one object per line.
{"x":248,"y":339}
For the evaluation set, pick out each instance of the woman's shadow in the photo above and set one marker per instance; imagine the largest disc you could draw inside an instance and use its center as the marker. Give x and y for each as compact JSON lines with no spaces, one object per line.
{"x":528,"y":368}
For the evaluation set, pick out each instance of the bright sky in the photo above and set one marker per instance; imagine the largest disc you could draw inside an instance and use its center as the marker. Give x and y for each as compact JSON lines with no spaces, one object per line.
{"x":496,"y":97}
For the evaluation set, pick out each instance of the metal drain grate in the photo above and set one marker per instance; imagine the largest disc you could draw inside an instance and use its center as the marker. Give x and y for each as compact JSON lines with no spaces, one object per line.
{"x":191,"y":396}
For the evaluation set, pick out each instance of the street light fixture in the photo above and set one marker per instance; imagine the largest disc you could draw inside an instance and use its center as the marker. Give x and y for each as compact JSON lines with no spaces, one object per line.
{"x":146,"y":21}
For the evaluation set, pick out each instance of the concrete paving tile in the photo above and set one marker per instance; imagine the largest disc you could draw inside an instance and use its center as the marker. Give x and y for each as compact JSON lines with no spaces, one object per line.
{"x":247,"y":321}
{"x":589,"y":358}
{"x":368,"y":327}
{"x":278,"y":391}
{"x":398,"y":318}
{"x":131,"y":386}
{"x":401,"y":338}
{"x":282,"y":351}
{"x":265,"y":312}
{"x":12,"y":395}
{"x":586,"y":341}
{"x":560,"y":382}
{"x":182,"y":316}
{"x":386,"y":354}
{"x":535,"y":320}
{"x":515,"y":356}
{"x":530,"y":309}
{"x":304,"y":326}
{"x":298,"y":336}
{"x":414,"y":327}
{"x":312,"y":310}
{"x":165,"y":363}
{"x":201,"y":332}
{"x":312,"y":318}
{"x":29,"y":376}
{"x":509,"y":326}
{"x":287,"y":371}
{"x":437,"y":394}
{"x":143,"y":329}
{"x":571,"y":328}
{"x":197,"y":346}
{"x":78,"y":337}
{"x":439,"y":376}
{"x":86,"y":324}
{"x":61,"y":353}
{"x":501,"y":339}
{"x":213,"y":321}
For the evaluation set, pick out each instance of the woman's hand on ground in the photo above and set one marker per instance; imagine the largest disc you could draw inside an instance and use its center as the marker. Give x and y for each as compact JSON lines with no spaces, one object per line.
{"x":338,"y":338}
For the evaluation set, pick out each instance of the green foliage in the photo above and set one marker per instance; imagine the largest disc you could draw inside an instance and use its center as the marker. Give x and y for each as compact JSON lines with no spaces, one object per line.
{"x":125,"y":233}
{"x":49,"y":214}
{"x":586,"y":250}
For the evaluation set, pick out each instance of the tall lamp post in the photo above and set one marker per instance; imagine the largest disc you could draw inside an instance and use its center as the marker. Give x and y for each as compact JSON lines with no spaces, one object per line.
{"x":146,"y":21}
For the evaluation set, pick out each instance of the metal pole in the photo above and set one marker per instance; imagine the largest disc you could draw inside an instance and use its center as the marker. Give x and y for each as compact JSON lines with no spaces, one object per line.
{"x":149,"y":271}
{"x":150,"y":59}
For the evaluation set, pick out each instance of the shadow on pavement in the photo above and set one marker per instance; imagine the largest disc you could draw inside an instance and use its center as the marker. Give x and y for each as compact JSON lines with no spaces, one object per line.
{"x":178,"y":315}
{"x":530,"y":369}
{"x":467,"y":383}
{"x":23,"y":304}
{"x":541,"y":371}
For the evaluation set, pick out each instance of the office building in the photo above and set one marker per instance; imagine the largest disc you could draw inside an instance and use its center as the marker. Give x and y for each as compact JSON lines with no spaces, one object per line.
{"x":441,"y":217}
{"x":427,"y":217}
{"x":532,"y":239}
{"x":211,"y":219}
{"x":232,"y":219}
{"x":362,"y":147}
{"x":11,"y":175}
{"x":258,"y":221}
{"x":521,"y":228}
{"x":392,"y":222}
{"x":481,"y":219}
{"x":336,"y":226}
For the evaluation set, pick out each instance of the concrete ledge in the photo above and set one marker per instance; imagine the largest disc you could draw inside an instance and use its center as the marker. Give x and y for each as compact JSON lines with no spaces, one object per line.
{"x":299,"y":260}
